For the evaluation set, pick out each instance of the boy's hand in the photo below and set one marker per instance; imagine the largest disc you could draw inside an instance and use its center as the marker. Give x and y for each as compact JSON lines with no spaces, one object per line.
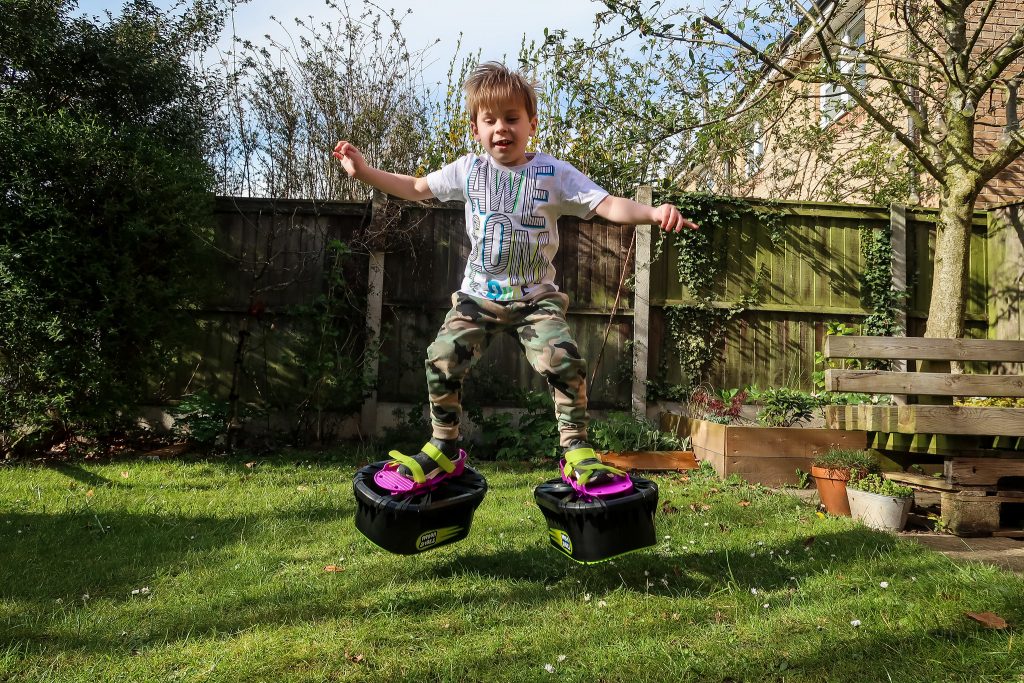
{"x":350,"y":157}
{"x":670,"y":220}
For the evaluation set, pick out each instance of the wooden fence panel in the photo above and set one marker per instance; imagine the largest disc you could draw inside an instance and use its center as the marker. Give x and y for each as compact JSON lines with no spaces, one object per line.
{"x":920,"y":265}
{"x":810,"y":278}
{"x":269,"y":264}
{"x":1006,"y":278}
{"x":813,"y":276}
{"x":1006,"y":273}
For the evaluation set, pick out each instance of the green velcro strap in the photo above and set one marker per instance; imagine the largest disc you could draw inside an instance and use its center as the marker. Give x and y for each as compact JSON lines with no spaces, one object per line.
{"x":577,"y":454}
{"x":574,"y":461}
{"x":437,"y":456}
{"x":417,"y":472}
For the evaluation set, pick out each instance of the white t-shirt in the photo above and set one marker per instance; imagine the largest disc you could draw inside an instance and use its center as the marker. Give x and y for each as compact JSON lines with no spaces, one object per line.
{"x":511,"y":218}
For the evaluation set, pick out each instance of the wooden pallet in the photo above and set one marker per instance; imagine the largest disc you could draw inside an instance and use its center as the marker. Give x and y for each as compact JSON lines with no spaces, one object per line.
{"x":968,"y":510}
{"x":980,"y":481}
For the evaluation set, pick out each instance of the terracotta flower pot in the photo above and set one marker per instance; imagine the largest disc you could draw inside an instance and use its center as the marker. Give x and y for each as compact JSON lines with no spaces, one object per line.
{"x":832,"y":489}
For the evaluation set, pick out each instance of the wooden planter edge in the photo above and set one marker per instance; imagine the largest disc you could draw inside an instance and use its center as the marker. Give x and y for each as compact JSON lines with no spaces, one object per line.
{"x":652,"y":461}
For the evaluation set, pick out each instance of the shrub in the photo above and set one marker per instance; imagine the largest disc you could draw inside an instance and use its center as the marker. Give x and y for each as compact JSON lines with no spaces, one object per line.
{"x":106,"y":197}
{"x":531,"y":436}
{"x":200,"y":419}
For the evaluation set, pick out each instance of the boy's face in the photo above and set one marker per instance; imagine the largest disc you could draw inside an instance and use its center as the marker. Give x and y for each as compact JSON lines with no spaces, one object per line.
{"x":504,"y":129}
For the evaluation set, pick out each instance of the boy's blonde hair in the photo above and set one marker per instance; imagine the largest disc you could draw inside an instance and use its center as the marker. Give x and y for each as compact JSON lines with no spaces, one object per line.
{"x":493,"y":84}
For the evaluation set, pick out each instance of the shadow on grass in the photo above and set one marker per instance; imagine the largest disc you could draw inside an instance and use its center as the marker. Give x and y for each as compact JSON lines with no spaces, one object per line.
{"x":82,"y":475}
{"x":102,"y":554}
{"x":696,"y":573}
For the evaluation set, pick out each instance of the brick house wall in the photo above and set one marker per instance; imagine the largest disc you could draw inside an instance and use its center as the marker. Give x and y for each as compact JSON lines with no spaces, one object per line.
{"x":802,"y":175}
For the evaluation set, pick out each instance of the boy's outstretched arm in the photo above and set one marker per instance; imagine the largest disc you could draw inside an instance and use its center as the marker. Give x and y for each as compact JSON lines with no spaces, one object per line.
{"x":403,"y":186}
{"x":626,"y":211}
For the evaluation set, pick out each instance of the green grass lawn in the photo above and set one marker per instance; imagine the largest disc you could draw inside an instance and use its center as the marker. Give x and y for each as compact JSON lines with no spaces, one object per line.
{"x":214,"y":571}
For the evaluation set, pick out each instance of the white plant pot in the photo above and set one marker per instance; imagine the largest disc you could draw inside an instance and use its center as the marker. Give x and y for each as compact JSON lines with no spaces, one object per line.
{"x":879,"y":512}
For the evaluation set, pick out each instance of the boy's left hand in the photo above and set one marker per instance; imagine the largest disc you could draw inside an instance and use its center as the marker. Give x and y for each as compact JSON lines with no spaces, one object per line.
{"x":670,"y":220}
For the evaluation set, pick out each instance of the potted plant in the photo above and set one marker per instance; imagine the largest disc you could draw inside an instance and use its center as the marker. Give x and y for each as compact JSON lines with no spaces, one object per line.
{"x":633,"y":443}
{"x":833,"y":469}
{"x":879,"y":502}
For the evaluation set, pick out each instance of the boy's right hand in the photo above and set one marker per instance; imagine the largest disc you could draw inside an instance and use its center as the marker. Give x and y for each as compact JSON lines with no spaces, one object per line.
{"x":351,"y":159}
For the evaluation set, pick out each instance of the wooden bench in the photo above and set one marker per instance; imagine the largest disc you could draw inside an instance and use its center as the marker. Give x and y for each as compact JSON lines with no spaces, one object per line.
{"x":970,"y":457}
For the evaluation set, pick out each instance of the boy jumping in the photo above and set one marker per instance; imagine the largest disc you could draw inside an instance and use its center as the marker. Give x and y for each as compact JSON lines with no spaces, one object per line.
{"x":513,"y":201}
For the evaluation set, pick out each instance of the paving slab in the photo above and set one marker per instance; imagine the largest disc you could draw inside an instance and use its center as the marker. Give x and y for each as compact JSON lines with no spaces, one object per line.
{"x":1007,"y":553}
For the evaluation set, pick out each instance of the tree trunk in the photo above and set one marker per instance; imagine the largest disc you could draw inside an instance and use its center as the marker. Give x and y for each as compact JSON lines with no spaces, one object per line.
{"x":952,"y":250}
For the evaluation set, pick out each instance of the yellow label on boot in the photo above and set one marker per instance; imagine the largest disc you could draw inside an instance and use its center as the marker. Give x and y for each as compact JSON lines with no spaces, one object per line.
{"x":561,"y":540}
{"x":436,"y":536}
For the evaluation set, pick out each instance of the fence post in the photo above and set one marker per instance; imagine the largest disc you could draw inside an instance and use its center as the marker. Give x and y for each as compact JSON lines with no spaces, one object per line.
{"x":641,"y":306}
{"x":898,"y":238}
{"x":898,"y":241}
{"x":374,"y":309}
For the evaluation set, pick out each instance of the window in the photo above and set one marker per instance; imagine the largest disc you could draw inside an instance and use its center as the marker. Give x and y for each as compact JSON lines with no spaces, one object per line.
{"x":835,"y":101}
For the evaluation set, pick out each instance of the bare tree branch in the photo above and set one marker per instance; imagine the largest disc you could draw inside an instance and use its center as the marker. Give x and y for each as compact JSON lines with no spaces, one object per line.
{"x":753,"y":51}
{"x":1008,"y":53}
{"x":1011,"y":143}
{"x":920,"y":122}
{"x":911,"y":24}
{"x":934,"y":167}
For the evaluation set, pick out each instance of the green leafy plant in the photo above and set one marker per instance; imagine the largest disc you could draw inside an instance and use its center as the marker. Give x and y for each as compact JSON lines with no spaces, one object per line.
{"x":803,"y":479}
{"x":854,"y":461}
{"x":200,"y":419}
{"x":624,"y":432}
{"x":784,"y":407}
{"x":530,"y":436}
{"x":877,"y":292}
{"x":1001,"y":402}
{"x":876,"y":483}
{"x":938,"y":524}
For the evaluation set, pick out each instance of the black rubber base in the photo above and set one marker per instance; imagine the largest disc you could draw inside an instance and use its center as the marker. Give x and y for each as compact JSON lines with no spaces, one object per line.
{"x":602,"y":528}
{"x":411,"y":524}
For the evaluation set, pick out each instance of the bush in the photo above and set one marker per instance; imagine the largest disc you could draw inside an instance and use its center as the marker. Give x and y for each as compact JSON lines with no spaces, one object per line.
{"x":533,"y":436}
{"x":200,"y":419}
{"x":106,"y":198}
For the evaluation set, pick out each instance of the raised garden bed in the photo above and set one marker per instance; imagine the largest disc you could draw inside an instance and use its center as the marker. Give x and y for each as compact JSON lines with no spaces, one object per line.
{"x":760,"y":455}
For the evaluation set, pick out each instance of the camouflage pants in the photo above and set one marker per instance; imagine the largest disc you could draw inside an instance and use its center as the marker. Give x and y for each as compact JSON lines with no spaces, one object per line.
{"x":544,"y":336}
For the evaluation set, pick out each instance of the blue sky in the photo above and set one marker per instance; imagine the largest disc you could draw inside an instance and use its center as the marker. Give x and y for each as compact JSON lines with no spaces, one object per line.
{"x":494,"y":28}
